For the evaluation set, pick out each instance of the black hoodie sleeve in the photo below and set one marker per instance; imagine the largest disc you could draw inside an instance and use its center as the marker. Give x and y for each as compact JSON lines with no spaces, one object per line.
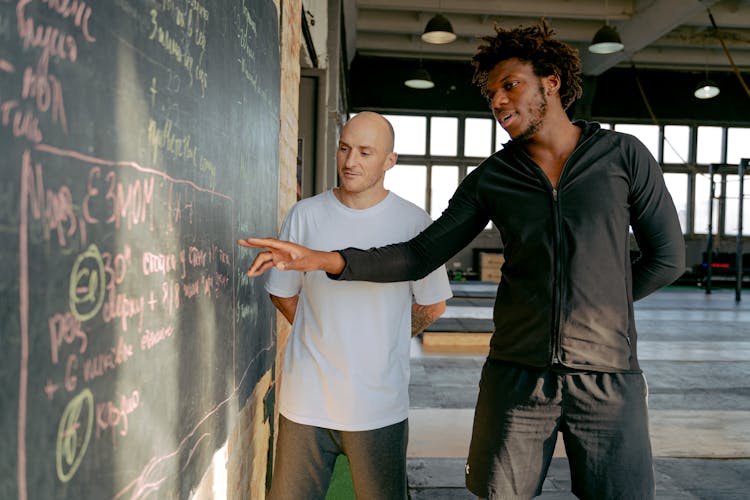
{"x":414,"y":259}
{"x":655,"y":224}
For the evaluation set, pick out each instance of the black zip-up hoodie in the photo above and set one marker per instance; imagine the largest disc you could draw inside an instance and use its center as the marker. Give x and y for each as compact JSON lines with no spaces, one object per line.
{"x":568,"y":286}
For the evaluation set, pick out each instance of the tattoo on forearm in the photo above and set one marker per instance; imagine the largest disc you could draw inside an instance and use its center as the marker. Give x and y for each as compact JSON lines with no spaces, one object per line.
{"x":420,"y":319}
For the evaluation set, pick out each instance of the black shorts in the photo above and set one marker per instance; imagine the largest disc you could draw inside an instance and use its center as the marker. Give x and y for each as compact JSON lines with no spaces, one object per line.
{"x":603,"y":419}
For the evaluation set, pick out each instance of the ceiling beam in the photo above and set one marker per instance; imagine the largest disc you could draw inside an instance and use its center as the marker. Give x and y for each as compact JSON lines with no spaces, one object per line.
{"x":643,"y":29}
{"x":578,"y":9}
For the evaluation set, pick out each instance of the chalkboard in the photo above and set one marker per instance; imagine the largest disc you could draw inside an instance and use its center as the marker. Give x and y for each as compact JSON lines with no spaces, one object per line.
{"x":138,"y":140}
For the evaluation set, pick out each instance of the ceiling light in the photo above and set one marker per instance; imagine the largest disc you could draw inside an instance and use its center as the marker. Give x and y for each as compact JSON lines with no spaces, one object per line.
{"x":706,"y":90}
{"x":606,"y":41}
{"x":419,"y":79}
{"x":438,"y":30}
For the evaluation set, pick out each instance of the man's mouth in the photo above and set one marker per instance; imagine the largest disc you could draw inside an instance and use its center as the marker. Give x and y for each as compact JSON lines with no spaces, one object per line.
{"x":505,"y":118}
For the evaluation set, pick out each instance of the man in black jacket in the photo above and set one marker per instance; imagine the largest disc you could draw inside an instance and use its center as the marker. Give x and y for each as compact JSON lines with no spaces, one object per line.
{"x":563,"y":356}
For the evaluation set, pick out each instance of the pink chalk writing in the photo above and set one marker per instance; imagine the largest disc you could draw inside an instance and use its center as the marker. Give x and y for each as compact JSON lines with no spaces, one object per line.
{"x":52,"y":41}
{"x":79,"y":11}
{"x":158,"y":263}
{"x":99,"y":364}
{"x":65,"y":328}
{"x":119,"y":305}
{"x":55,"y":208}
{"x":71,"y":367}
{"x":111,"y":416}
{"x":153,"y":337}
{"x":115,"y":267}
{"x":25,"y":123}
{"x":6,"y":66}
{"x":46,"y":90}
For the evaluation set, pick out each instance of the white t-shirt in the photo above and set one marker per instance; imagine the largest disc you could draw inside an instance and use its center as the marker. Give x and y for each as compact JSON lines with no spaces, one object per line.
{"x":347,"y":361}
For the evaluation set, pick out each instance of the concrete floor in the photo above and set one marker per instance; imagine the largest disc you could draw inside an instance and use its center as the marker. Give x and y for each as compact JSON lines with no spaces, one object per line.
{"x":695,"y":351}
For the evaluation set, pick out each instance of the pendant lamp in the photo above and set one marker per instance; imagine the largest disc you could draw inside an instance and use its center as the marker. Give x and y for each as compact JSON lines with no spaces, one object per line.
{"x":419,"y":79}
{"x":438,"y":30}
{"x":606,"y":41}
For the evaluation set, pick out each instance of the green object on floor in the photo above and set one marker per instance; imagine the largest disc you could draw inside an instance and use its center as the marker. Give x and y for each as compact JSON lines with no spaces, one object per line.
{"x":341,"y":487}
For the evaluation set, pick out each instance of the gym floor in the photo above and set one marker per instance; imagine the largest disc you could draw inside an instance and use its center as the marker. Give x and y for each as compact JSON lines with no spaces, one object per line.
{"x":694,"y":349}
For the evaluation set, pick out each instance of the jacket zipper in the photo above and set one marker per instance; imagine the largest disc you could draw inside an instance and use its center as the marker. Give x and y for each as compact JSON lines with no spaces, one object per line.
{"x":558,"y":278}
{"x":557,"y":313}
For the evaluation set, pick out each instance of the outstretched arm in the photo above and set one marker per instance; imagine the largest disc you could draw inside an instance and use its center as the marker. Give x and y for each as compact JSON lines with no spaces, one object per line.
{"x":288,"y":256}
{"x":411,"y":260}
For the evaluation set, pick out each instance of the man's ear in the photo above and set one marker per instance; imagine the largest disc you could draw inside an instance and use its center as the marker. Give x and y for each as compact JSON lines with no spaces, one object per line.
{"x":552,"y":84}
{"x":391,"y":160}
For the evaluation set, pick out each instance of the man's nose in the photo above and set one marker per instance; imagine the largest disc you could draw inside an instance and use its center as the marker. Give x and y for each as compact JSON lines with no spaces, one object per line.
{"x":350,"y":158}
{"x":498,"y":98}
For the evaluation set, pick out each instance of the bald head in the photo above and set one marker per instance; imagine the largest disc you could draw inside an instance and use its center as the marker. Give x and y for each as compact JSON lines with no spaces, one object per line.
{"x":378,"y":128}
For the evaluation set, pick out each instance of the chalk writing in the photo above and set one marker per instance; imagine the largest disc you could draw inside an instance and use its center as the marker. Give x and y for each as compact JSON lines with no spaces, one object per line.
{"x":247,"y":33}
{"x":125,"y":270}
{"x":46,"y":91}
{"x":73,"y":434}
{"x":56,"y":209}
{"x":170,"y":295}
{"x":25,"y":123}
{"x":71,"y":368}
{"x":111,"y":416}
{"x":116,"y":266}
{"x":131,"y":202}
{"x":152,"y":337}
{"x":52,"y":41}
{"x":132,"y":207}
{"x":78,"y":10}
{"x":6,"y":66}
{"x":158,"y":263}
{"x":99,"y":364}
{"x":189,"y":35}
{"x":191,"y":289}
{"x":65,"y":328}
{"x":87,"y":288}
{"x":50,"y":388}
{"x":120,"y":305}
{"x":165,"y":138}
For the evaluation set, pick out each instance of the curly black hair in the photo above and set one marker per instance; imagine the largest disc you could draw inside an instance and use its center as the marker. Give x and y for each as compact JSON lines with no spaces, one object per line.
{"x":535,"y":45}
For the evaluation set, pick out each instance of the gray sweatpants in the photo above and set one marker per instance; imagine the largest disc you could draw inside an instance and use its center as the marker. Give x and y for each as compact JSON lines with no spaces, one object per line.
{"x":305,"y":457}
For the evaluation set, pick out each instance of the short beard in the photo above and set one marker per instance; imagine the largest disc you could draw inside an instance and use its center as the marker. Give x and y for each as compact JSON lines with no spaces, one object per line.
{"x":536,"y":119}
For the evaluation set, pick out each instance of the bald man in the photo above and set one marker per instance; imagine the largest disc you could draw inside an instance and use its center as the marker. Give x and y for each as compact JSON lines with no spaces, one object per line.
{"x":344,"y":387}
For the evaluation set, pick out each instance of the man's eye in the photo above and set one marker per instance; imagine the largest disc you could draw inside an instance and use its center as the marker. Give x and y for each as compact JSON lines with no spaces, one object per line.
{"x":510,"y":85}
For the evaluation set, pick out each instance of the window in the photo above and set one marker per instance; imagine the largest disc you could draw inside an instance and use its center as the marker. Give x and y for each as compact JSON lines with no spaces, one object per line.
{"x":676,"y":143}
{"x":702,"y":189}
{"x":709,"y":145}
{"x":443,"y":136}
{"x":443,"y":184}
{"x":731,"y":213}
{"x":411,"y":134}
{"x":677,"y":184}
{"x":431,"y":167}
{"x":738,"y":144}
{"x":409,"y":182}
{"x":478,"y":137}
{"x":647,"y":134}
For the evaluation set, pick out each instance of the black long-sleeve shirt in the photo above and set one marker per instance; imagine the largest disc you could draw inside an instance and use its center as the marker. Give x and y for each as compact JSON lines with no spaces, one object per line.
{"x":568,"y":286}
